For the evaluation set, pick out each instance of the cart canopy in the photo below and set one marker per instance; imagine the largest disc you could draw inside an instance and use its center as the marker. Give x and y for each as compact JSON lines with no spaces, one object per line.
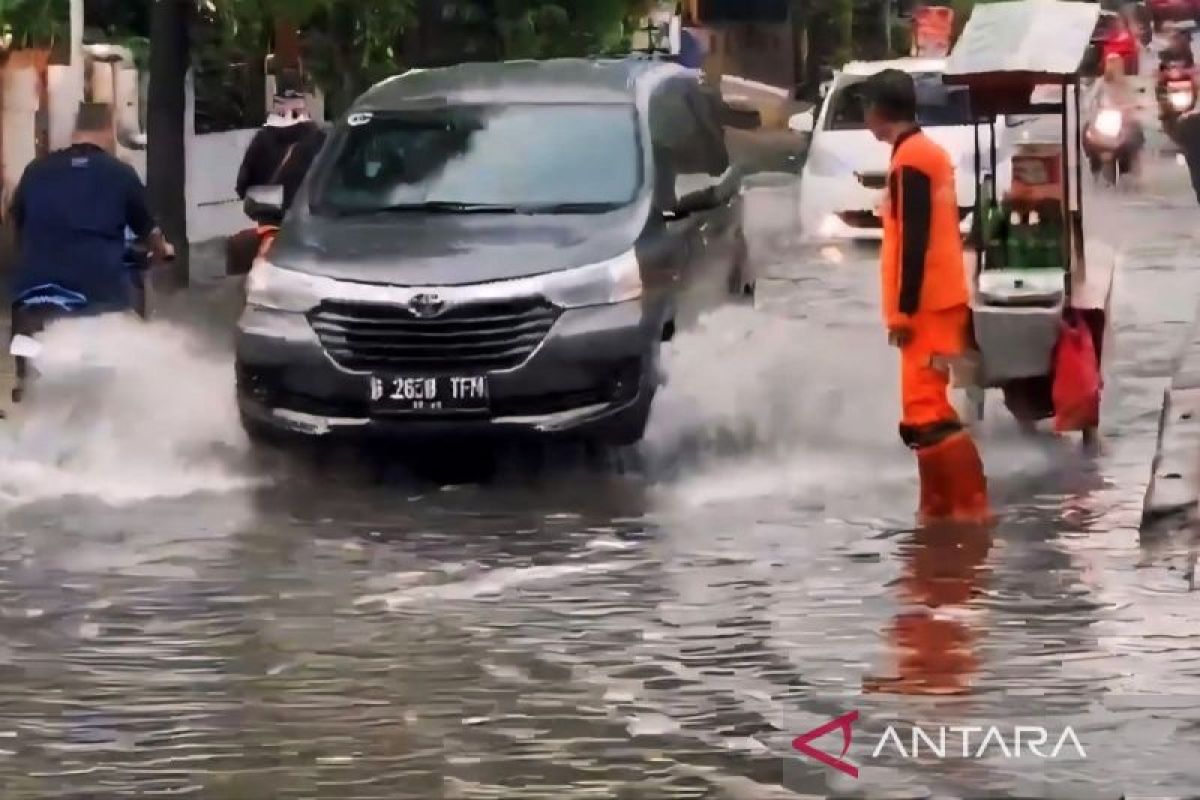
{"x":1007,"y":49}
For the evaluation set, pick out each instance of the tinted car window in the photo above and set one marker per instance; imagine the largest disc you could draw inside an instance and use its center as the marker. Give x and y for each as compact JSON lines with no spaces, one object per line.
{"x":532,"y":157}
{"x":937,"y":104}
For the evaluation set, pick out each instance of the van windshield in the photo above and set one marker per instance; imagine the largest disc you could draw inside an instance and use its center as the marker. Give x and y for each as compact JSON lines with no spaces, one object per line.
{"x":531,"y":158}
{"x":938,"y":105}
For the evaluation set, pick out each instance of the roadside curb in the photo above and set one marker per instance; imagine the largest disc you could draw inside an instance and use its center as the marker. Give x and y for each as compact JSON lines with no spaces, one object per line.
{"x":1173,"y":494}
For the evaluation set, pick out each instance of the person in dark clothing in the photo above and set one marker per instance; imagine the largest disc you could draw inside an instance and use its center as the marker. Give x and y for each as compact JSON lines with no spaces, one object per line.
{"x":296,"y":163}
{"x":70,"y":212}
{"x":286,"y":137}
{"x":1187,"y":130}
{"x":1178,"y":51}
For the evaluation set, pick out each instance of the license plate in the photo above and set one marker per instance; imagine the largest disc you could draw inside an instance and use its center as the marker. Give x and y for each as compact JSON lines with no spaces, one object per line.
{"x":429,"y":393}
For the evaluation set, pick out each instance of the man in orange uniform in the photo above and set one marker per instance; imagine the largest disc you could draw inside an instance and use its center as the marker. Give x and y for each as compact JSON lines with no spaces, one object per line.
{"x":925,"y":300}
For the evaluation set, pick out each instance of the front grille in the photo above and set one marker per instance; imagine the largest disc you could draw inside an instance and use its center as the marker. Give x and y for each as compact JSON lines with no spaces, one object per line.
{"x":475,"y":337}
{"x":872,"y":180}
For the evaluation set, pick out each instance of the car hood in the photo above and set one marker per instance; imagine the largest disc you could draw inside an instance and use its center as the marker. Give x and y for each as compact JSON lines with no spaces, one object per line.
{"x":421,"y":249}
{"x":860,"y":151}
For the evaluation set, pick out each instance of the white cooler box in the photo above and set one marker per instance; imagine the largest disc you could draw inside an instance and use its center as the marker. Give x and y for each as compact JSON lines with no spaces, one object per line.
{"x":1017,"y":316}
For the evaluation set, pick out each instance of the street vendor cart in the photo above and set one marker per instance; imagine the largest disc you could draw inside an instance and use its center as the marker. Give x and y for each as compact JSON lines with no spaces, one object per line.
{"x":1033,"y":286}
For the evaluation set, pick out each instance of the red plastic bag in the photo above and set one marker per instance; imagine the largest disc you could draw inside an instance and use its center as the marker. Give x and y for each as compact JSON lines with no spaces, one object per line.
{"x":1077,"y":381}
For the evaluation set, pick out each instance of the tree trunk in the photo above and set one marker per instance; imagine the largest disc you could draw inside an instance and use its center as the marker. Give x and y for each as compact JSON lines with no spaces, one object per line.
{"x":287,"y":54}
{"x":166,"y":156}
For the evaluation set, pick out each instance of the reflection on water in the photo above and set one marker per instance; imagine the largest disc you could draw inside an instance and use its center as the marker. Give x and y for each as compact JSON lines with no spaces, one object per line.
{"x":580,"y":633}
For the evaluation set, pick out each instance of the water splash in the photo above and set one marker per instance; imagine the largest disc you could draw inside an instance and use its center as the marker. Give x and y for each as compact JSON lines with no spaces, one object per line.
{"x":123,"y":411}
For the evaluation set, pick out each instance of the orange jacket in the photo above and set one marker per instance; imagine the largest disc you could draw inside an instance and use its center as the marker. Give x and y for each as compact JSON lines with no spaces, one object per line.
{"x":922,"y":256}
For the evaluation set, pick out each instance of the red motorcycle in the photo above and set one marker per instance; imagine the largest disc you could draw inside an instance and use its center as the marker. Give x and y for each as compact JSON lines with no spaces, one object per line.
{"x":1122,"y":42}
{"x":264,"y":205}
{"x":1176,"y":91}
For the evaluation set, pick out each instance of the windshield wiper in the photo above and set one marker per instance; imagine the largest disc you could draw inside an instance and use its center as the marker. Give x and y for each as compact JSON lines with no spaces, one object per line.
{"x":444,"y":207}
{"x":571,"y":208}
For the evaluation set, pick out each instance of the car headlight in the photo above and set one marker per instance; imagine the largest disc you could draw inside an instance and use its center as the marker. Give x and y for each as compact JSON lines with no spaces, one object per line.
{"x":268,"y":286}
{"x":616,"y":280}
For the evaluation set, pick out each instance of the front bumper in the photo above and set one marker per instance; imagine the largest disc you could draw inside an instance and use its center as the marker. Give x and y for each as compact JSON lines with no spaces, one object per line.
{"x":594,"y":375}
{"x":843,"y":209}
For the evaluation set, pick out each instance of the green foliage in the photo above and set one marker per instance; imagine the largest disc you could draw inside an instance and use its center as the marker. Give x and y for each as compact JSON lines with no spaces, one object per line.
{"x":553,"y":28}
{"x":33,"y":23}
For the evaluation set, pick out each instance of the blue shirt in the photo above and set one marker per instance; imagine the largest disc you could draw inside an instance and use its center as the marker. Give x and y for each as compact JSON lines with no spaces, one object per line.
{"x":72,"y":209}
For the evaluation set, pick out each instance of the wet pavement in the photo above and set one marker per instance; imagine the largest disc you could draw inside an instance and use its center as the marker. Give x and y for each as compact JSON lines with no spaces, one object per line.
{"x":180,"y":618}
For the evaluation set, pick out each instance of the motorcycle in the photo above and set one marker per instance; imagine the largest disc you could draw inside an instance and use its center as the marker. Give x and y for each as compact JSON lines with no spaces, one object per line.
{"x":264,"y":205}
{"x":1112,"y":141}
{"x":34,"y":310}
{"x":1176,"y":92}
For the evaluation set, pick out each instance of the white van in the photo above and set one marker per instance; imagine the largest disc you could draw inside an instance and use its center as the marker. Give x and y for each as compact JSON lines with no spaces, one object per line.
{"x":845,"y":172}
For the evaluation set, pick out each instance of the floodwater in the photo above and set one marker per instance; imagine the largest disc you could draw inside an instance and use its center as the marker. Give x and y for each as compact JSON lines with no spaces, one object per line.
{"x":180,"y":618}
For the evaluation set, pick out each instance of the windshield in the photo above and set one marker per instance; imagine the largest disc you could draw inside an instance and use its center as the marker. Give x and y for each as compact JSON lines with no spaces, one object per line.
{"x":529,"y":158}
{"x":938,"y":105}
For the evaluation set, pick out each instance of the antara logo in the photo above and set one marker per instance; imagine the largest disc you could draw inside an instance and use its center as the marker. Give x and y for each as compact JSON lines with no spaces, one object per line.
{"x":842,"y":723}
{"x":945,"y":741}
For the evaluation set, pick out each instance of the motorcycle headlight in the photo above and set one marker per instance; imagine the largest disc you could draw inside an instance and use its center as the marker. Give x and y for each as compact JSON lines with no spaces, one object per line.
{"x":1180,"y":100}
{"x":616,"y":280}
{"x":1109,"y":123}
{"x":268,"y":286}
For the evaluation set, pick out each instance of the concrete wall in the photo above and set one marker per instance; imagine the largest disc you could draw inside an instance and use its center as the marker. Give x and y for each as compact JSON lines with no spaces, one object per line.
{"x":765,"y":53}
{"x":213,"y":207}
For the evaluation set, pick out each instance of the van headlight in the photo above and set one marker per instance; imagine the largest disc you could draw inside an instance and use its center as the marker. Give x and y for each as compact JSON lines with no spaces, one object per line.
{"x":617,"y":280}
{"x":268,"y":286}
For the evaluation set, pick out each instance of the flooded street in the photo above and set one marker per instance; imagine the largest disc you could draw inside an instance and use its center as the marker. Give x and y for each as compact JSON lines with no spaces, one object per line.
{"x":179,"y":619}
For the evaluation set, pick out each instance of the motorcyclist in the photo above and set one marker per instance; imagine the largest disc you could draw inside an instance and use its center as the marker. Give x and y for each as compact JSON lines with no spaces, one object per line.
{"x":286,"y":143}
{"x":280,"y":154}
{"x":70,"y":213}
{"x":71,"y":210}
{"x":1178,"y":51}
{"x":1123,"y":43}
{"x":1114,"y":91}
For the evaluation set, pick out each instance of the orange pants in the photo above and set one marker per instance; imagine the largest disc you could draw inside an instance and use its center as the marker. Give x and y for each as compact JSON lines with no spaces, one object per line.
{"x":925,"y":383}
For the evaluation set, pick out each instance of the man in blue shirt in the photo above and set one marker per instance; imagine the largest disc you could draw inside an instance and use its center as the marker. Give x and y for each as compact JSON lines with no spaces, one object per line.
{"x":71,"y":209}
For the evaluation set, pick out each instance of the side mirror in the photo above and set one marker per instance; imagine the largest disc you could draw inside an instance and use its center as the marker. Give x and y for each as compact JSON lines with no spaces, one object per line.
{"x":264,"y":204}
{"x":804,"y":123}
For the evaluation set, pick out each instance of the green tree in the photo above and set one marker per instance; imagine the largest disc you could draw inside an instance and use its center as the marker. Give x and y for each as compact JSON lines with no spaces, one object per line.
{"x":32,"y":23}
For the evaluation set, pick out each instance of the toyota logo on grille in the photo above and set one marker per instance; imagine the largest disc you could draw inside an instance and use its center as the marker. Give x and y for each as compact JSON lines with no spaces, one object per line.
{"x":426,"y":305}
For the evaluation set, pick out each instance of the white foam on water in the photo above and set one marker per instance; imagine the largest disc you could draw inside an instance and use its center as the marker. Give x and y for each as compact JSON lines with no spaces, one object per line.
{"x":760,"y":405}
{"x":123,"y":411}
{"x":490,"y":584}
